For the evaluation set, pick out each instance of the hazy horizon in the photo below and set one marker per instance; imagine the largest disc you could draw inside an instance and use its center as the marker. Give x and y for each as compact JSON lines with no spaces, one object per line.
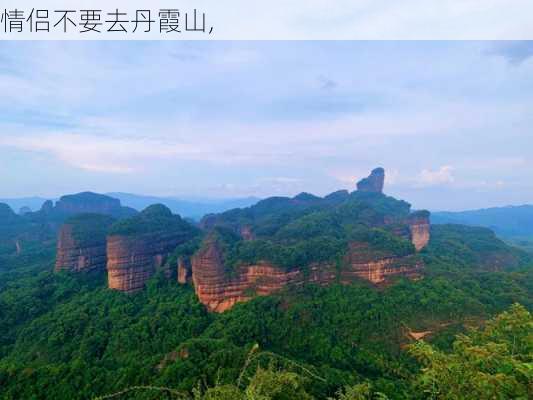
{"x":449,"y":121}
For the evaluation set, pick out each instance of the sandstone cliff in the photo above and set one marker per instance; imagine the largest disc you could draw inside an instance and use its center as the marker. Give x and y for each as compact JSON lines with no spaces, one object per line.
{"x":132,"y":260}
{"x":219,"y":290}
{"x":284,"y":241}
{"x":81,"y":245}
{"x":419,"y":228}
{"x":138,"y":246}
{"x":363,"y":263}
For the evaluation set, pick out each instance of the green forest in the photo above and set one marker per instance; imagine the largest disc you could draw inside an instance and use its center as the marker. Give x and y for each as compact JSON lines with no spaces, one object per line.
{"x":67,"y":336}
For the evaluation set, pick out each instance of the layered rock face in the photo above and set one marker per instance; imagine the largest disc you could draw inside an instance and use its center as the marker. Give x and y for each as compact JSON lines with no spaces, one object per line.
{"x":419,"y":227}
{"x":81,"y":244}
{"x":138,"y":246}
{"x":75,"y":256}
{"x":132,"y":260}
{"x":374,"y":182}
{"x":219,"y":291}
{"x":208,"y":276}
{"x":361,"y":263}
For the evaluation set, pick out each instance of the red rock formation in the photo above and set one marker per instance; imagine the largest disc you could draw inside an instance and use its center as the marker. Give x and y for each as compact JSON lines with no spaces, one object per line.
{"x":132,"y":260}
{"x":75,"y":255}
{"x":219,"y":291}
{"x":208,"y":275}
{"x":419,"y":228}
{"x":184,"y":270}
{"x":374,"y":182}
{"x":362,"y":263}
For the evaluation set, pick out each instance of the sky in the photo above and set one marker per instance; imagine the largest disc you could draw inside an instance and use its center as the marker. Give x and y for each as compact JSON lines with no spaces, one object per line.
{"x":451,"y":122}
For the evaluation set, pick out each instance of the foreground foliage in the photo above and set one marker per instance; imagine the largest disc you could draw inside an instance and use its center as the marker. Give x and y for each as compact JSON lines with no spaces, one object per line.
{"x":495,"y":362}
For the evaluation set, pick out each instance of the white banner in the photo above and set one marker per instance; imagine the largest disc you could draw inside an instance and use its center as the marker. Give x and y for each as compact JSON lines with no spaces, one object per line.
{"x":266,"y":20}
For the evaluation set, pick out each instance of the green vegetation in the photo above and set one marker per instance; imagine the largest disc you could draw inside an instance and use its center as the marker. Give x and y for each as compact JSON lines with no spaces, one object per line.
{"x":524,"y":243}
{"x":494,"y":362}
{"x":153,"y":219}
{"x":474,"y":246}
{"x":66,"y":336}
{"x":282,"y":215}
{"x":298,"y":232}
{"x":89,"y":228}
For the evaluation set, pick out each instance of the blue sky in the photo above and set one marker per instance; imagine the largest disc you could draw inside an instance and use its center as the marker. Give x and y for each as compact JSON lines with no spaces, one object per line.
{"x":451,"y":122}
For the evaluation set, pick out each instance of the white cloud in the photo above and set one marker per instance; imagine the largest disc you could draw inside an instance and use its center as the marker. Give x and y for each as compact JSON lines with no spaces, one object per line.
{"x":101,"y":154}
{"x":441,"y":176}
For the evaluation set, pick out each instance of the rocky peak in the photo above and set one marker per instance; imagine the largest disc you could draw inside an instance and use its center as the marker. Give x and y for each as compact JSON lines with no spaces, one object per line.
{"x":374,"y":182}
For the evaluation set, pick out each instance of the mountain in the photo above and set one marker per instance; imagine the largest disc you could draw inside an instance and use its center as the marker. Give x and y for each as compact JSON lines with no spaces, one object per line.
{"x":279,"y":242}
{"x":304,"y":298}
{"x":34,"y":203}
{"x":505,"y":221}
{"x":194,"y":209}
{"x":39,"y":228}
{"x":282,"y":241}
{"x":512,"y":223}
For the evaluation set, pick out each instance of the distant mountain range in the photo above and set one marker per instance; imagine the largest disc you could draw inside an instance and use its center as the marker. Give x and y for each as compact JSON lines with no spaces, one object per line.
{"x":194,"y":209}
{"x":510,"y":221}
{"x":34,"y":203}
{"x":507,"y":222}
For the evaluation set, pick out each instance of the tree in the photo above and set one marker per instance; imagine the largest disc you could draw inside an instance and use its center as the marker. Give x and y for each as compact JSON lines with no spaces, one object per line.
{"x":493,"y":363}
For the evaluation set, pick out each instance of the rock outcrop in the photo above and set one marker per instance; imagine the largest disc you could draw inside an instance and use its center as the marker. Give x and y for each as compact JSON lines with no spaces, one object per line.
{"x":374,"y":182}
{"x":81,"y":245}
{"x":184,"y":272}
{"x":219,"y":290}
{"x":419,"y":227}
{"x":88,"y":202}
{"x":138,"y":246}
{"x":132,"y":260}
{"x":362,"y":263}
